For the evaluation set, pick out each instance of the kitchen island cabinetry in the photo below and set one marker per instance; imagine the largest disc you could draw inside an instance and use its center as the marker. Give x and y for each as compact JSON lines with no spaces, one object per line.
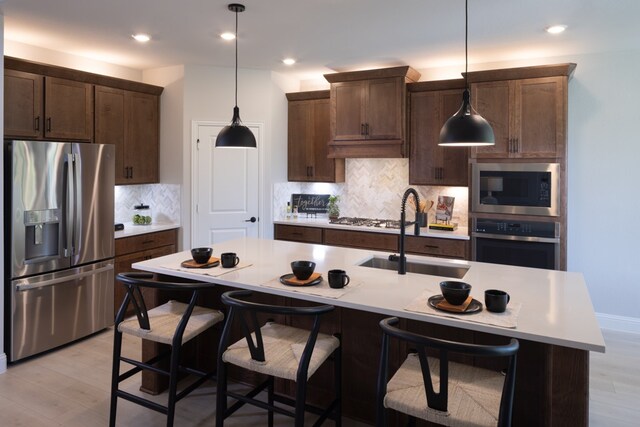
{"x":308,"y":137}
{"x":39,"y":107}
{"x":130,"y":250}
{"x":130,"y":120}
{"x":444,"y":248}
{"x":368,"y":112}
{"x":553,"y":360}
{"x":528,"y":115}
{"x":431,"y":104}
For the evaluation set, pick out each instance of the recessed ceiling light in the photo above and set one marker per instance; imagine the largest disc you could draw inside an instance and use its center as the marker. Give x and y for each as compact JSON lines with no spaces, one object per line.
{"x":228,"y":36}
{"x":142,"y":38}
{"x":556,"y":29}
{"x":289,"y":61}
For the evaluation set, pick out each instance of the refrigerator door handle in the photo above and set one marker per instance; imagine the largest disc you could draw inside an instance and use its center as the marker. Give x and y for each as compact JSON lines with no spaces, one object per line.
{"x":69,"y":207}
{"x":66,"y":278}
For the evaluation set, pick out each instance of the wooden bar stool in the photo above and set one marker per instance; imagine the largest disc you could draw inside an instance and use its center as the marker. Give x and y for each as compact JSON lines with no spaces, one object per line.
{"x":276,"y":351}
{"x":173,"y":323}
{"x":467,"y":395}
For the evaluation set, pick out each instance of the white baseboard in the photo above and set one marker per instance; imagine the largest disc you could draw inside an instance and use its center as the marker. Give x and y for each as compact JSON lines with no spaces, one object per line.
{"x":3,"y":363}
{"x":619,"y":323}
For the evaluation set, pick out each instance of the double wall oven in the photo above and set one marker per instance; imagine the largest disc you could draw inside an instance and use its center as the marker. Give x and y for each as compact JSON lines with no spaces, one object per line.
{"x":515,"y":210}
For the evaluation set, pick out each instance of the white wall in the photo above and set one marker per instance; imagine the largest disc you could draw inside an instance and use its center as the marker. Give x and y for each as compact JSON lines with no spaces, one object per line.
{"x":209,"y":96}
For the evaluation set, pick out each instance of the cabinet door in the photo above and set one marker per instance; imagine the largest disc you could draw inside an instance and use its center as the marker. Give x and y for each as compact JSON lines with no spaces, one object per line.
{"x":384,"y":106}
{"x":347,"y":119}
{"x":539,"y":117}
{"x":430,"y":164}
{"x":300,"y":140}
{"x":68,"y":109}
{"x":141,"y":137}
{"x":493,"y":100}
{"x":454,"y":161}
{"x":22,"y":104}
{"x":322,"y":168}
{"x":109,"y":116}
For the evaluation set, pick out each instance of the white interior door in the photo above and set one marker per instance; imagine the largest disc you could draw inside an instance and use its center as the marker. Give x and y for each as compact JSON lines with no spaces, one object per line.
{"x":226,"y":188}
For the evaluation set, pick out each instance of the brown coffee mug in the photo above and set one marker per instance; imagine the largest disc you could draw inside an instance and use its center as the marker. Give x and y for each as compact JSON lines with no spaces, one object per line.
{"x":229,"y":260}
{"x":496,"y":300}
{"x":338,"y":279}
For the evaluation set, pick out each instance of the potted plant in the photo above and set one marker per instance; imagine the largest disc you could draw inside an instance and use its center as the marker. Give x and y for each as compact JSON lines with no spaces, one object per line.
{"x":332,"y":208}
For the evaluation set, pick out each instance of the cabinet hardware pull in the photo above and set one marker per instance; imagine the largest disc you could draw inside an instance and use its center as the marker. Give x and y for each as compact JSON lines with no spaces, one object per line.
{"x":366,"y":128}
{"x":362,"y":129}
{"x":296,"y":233}
{"x":49,"y":124}
{"x":37,"y":123}
{"x":431,"y":247}
{"x":516,"y":145}
{"x":146,"y":242}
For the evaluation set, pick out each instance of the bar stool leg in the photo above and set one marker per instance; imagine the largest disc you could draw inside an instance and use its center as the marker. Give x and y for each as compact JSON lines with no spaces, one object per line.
{"x":221,"y":393}
{"x":270,"y":400}
{"x":173,"y":385}
{"x":301,"y":395}
{"x":115,"y":373}
{"x":338,"y":385}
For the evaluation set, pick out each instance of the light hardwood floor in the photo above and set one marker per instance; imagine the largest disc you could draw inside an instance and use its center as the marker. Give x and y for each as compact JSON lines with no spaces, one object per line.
{"x":70,"y":387}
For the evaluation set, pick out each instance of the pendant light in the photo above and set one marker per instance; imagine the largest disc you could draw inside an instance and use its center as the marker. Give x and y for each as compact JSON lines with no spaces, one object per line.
{"x":236,"y":134}
{"x":466,"y":127}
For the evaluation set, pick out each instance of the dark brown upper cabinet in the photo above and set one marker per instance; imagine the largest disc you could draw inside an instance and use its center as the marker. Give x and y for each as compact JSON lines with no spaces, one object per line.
{"x":368,"y":112}
{"x":431,"y":104}
{"x":308,"y":137}
{"x":43,"y":107}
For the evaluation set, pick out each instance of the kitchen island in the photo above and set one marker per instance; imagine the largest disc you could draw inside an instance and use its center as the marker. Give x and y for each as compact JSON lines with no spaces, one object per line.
{"x":556,"y":322}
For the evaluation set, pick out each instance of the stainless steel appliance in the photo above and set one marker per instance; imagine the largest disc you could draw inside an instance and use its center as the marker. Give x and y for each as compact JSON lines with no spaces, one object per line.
{"x":516,"y":188}
{"x":522,"y":243}
{"x":59,"y":248}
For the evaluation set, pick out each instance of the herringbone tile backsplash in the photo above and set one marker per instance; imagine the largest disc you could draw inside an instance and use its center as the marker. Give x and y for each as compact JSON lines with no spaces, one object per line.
{"x":163,"y":199}
{"x":373,"y":188}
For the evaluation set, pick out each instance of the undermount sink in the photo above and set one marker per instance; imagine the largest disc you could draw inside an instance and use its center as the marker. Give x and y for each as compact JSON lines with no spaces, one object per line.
{"x":457,"y":272}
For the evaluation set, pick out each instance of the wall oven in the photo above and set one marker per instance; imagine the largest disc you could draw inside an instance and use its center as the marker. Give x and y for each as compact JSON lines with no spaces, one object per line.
{"x":521,"y":243}
{"x":516,"y":188}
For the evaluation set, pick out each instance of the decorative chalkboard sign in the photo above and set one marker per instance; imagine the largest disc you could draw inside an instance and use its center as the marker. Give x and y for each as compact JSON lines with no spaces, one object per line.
{"x":310,"y":203}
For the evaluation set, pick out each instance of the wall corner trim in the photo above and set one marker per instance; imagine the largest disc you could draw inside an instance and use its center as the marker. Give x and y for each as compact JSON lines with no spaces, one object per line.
{"x":3,"y":363}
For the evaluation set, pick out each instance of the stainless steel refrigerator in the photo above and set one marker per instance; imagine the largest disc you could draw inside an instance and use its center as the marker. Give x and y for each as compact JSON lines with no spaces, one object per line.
{"x":59,"y":245}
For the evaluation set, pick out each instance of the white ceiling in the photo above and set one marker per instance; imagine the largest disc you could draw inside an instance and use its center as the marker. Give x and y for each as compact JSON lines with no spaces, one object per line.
{"x":323,"y":35}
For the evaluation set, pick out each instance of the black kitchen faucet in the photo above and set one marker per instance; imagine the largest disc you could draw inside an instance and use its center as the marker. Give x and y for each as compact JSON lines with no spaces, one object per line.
{"x":402,"y":258}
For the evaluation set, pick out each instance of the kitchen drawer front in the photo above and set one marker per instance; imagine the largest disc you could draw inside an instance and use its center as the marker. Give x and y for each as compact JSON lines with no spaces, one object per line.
{"x":127,"y":245}
{"x":449,"y":248}
{"x":362,"y":240}
{"x":298,"y":234}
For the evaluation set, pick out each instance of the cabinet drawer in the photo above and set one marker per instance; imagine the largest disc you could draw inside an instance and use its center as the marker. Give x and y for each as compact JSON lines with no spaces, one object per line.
{"x":127,"y":245}
{"x":437,"y":247}
{"x":298,"y":234}
{"x":362,"y":240}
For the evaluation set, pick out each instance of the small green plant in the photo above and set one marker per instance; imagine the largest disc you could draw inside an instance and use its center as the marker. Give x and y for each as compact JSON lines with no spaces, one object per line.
{"x":332,"y":208}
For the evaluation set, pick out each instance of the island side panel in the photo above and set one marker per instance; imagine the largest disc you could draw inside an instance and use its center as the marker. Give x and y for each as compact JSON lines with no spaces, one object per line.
{"x":570,"y":386}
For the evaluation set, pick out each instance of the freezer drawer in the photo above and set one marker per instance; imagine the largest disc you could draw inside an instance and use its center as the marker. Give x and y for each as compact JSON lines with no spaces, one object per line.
{"x":56,"y":308}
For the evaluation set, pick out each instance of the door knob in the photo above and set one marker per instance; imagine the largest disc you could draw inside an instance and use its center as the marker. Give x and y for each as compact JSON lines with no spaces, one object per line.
{"x":252,"y":219}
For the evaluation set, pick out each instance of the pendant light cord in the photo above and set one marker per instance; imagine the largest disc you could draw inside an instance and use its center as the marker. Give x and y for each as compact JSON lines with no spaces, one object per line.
{"x":466,"y":42}
{"x":236,"y":58}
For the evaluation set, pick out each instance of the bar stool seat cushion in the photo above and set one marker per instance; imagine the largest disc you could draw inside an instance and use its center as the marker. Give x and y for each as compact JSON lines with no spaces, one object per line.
{"x":283,"y":348}
{"x":474,"y":393}
{"x":164,"y":321}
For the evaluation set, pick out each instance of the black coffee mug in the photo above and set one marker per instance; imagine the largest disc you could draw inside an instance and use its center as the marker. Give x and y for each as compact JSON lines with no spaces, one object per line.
{"x":229,"y":260}
{"x":338,"y":279}
{"x":496,"y":300}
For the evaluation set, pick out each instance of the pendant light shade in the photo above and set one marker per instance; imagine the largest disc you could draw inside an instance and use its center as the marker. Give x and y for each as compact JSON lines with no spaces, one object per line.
{"x":466,"y":127}
{"x":236,"y":134}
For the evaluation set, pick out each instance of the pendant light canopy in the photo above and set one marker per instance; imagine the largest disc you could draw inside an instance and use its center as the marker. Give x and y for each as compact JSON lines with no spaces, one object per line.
{"x":236,"y":134}
{"x":466,"y":127}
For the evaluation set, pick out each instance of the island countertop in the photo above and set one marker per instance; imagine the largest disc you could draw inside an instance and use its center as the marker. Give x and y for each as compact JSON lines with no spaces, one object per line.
{"x":556,"y":307}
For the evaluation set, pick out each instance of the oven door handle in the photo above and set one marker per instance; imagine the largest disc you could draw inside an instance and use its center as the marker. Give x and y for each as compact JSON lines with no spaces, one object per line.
{"x":517,"y":238}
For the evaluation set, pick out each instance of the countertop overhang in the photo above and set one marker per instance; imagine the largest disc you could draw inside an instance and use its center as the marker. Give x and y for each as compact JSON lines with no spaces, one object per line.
{"x":556,"y":307}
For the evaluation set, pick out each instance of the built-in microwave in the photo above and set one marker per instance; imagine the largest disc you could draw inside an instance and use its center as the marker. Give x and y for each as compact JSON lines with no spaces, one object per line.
{"x":516,"y":188}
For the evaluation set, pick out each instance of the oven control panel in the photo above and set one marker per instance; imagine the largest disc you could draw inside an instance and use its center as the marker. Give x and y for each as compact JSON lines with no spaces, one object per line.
{"x":517,"y":228}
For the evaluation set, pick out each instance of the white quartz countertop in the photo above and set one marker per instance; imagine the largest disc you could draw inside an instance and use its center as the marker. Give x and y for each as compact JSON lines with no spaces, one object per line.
{"x":556,"y":307}
{"x":130,"y":229}
{"x":461,"y":233}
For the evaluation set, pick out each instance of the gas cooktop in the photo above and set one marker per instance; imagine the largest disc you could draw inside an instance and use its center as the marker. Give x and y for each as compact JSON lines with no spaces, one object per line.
{"x":366,"y":222}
